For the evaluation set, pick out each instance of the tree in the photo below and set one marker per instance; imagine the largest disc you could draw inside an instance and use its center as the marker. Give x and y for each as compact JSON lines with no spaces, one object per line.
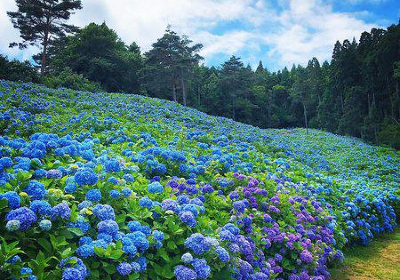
{"x":300,"y":92}
{"x":41,"y":21}
{"x":101,"y":56}
{"x":15,"y":70}
{"x":170,"y":63}
{"x":235,"y":83}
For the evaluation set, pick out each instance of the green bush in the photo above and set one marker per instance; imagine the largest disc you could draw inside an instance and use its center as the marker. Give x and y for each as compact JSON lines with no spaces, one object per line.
{"x":69,"y":79}
{"x":390,"y":135}
{"x":15,"y":70}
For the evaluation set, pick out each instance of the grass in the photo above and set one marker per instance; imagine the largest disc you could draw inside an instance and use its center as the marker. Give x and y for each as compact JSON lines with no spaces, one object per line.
{"x":379,"y":260}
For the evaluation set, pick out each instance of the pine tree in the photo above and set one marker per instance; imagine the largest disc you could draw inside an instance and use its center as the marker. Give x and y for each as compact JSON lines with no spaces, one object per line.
{"x":41,"y":22}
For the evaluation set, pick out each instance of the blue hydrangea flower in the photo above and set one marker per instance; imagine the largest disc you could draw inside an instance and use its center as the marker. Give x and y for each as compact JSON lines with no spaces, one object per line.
{"x":93,"y":195}
{"x":135,"y":267}
{"x":169,"y":204}
{"x":14,"y":201}
{"x":184,"y":273}
{"x":155,"y":187}
{"x":35,"y":189}
{"x":45,"y":225}
{"x":202,"y":269}
{"x":222,"y":254}
{"x":5,"y":163}
{"x":70,"y":188}
{"x":104,"y":212}
{"x":115,"y":193}
{"x":112,"y":166}
{"x":72,"y":274}
{"x":80,"y":224}
{"x":145,"y":202}
{"x":126,"y":192}
{"x":86,"y":177}
{"x":24,"y":215}
{"x":128,"y":177}
{"x":198,"y":243}
{"x":239,"y":206}
{"x":158,"y":235}
{"x":86,"y":250}
{"x":108,"y":227}
{"x":13,"y":225}
{"x":61,"y":210}
{"x":124,"y":268}
{"x":188,"y":218}
{"x":40,"y":207}
{"x":84,"y":204}
{"x":142,"y":261}
{"x":54,"y":174}
{"x":187,"y":258}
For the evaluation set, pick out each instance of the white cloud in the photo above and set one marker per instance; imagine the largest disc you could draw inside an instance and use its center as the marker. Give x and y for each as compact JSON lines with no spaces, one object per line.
{"x":311,"y":29}
{"x":284,"y":31}
{"x":366,"y":1}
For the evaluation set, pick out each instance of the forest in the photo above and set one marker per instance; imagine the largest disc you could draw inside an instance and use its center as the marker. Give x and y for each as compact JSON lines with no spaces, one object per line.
{"x":354,"y":94}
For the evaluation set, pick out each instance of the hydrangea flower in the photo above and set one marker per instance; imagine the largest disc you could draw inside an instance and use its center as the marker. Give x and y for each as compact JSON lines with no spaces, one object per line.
{"x":124,"y":268}
{"x":126,"y":192}
{"x":115,"y":193}
{"x":41,"y":207}
{"x":222,"y":254}
{"x":61,"y":210}
{"x":14,"y":201}
{"x":145,"y":202}
{"x":184,"y":273}
{"x":198,"y":243}
{"x":86,"y":177}
{"x":93,"y":195}
{"x":25,"y":216}
{"x":306,"y":256}
{"x":54,"y":174}
{"x":201,"y":267}
{"x":155,"y":187}
{"x":187,"y":258}
{"x":45,"y":225}
{"x":108,"y":227}
{"x":35,"y":189}
{"x":13,"y":225}
{"x":112,"y":166}
{"x":104,"y":212}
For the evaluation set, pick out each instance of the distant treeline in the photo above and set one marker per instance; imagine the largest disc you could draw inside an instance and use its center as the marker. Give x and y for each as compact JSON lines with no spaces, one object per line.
{"x":356,"y":94}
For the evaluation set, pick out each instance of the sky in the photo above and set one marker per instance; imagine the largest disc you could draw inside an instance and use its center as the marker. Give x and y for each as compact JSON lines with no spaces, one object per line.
{"x":278,"y":32}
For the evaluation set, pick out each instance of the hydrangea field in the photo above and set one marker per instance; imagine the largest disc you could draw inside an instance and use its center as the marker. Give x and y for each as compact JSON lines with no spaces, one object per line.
{"x":114,"y":186}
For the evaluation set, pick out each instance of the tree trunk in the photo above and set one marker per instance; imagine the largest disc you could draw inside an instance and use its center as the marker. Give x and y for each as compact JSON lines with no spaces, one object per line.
{"x":305,"y":116}
{"x":183,"y":84}
{"x":174,"y":91}
{"x":43,"y":61}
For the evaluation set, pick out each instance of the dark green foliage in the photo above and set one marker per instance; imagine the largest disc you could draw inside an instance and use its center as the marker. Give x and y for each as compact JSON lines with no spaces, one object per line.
{"x":69,"y":79}
{"x":15,"y":70}
{"x":170,"y":65}
{"x":99,"y":55}
{"x":42,"y":21}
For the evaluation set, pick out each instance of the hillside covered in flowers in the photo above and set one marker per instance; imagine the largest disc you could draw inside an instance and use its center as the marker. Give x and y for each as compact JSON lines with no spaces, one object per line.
{"x":114,"y":186}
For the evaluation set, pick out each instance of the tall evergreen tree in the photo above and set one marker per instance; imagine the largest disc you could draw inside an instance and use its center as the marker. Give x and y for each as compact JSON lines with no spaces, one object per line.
{"x":41,"y":22}
{"x":170,"y":63}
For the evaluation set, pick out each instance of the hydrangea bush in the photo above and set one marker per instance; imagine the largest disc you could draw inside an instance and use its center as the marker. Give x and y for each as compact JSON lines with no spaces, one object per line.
{"x":117,"y":186}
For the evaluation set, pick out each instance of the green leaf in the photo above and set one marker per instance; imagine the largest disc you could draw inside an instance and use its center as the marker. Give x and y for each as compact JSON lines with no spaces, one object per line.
{"x":99,"y":251}
{"x":76,"y":231}
{"x":66,"y":253}
{"x":171,"y":245}
{"x":3,"y":203}
{"x":116,"y":254}
{"x":45,"y":244}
